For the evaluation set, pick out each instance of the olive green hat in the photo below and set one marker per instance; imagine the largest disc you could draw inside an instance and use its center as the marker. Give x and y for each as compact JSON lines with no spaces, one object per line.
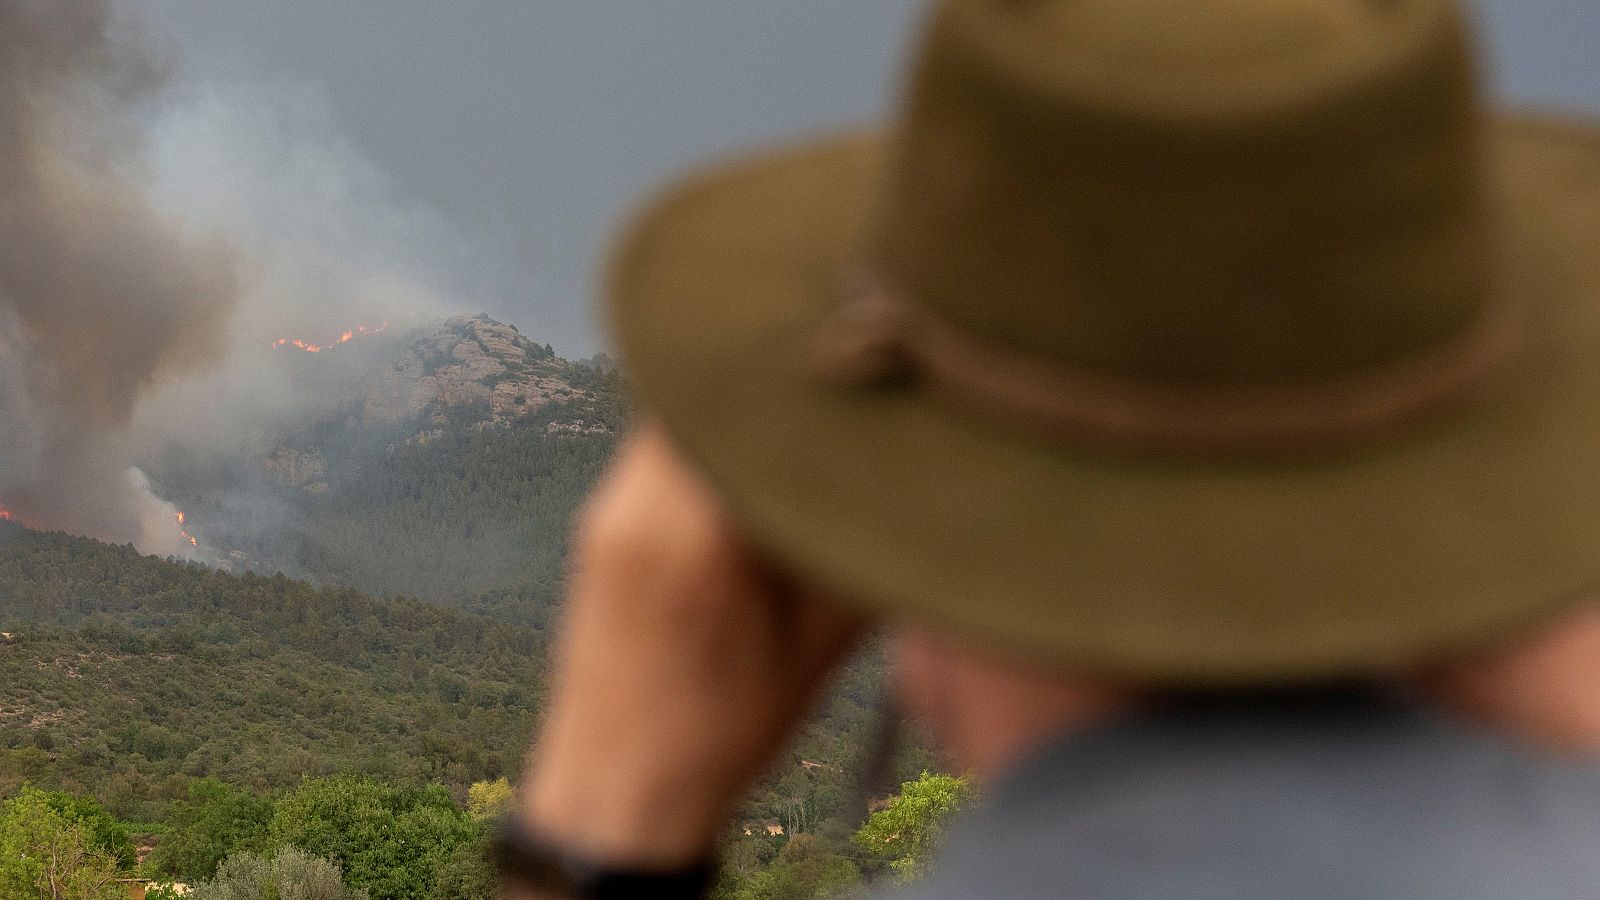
{"x":1184,"y":340}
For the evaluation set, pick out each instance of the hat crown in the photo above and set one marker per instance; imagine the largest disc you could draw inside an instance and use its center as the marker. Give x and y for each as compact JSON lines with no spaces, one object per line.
{"x":1227,"y":191}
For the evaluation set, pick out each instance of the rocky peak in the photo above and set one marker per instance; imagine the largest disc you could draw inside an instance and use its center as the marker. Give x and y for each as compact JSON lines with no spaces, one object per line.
{"x":468,"y":360}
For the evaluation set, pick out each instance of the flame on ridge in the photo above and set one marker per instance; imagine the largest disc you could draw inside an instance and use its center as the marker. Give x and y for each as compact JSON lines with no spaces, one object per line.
{"x":182,"y":521}
{"x":345,"y":337}
{"x":6,"y":515}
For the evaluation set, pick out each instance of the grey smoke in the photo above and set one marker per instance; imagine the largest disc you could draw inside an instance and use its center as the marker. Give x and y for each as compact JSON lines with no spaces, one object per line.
{"x":328,"y":245}
{"x":156,"y":235}
{"x":101,"y":295}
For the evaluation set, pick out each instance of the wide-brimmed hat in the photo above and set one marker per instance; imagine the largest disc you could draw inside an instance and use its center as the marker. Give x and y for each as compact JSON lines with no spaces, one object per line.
{"x":1193,"y":340}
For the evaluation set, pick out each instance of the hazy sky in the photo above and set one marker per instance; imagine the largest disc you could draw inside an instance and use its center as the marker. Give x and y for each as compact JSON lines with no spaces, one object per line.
{"x":530,"y":125}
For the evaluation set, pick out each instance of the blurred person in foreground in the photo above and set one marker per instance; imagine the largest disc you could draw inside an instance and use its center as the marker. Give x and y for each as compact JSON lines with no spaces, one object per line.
{"x":1205,"y":396}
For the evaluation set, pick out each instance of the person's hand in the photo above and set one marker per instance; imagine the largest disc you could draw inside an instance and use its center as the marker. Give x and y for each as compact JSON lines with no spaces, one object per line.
{"x":683,"y":664}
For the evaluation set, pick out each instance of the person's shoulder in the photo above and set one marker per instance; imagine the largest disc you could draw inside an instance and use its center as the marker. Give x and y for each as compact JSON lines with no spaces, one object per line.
{"x":1353,"y":800}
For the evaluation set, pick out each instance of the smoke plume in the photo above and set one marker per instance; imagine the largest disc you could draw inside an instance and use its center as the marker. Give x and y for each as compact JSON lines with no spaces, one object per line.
{"x":327,"y":244}
{"x":101,"y":296}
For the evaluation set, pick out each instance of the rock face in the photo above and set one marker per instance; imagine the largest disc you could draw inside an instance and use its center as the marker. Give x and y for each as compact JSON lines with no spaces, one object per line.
{"x":467,"y":363}
{"x":471,"y":360}
{"x":297,"y":468}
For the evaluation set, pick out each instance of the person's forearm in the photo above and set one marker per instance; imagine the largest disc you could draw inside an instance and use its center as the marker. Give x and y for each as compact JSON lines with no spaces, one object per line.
{"x":620,"y":811}
{"x":683,"y":663}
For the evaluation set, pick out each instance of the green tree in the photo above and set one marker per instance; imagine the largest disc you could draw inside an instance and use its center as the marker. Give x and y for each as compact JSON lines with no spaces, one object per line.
{"x":910,"y":826}
{"x":290,"y":874}
{"x":106,"y":832}
{"x":215,"y":821}
{"x":805,"y":868}
{"x":467,"y":874}
{"x":741,"y":860}
{"x":390,"y":841}
{"x":49,"y":856}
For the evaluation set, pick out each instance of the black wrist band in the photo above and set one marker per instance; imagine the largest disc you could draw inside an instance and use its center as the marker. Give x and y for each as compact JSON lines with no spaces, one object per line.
{"x":526,"y":859}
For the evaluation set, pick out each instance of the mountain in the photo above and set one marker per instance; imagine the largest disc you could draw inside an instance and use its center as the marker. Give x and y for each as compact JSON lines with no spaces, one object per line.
{"x":446,"y":466}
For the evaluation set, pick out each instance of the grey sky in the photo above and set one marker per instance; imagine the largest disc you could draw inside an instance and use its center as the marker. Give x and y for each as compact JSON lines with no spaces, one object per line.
{"x":532,"y":124}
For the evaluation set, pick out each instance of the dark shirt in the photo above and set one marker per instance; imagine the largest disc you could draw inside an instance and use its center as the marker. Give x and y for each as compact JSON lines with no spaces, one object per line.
{"x":1344,"y":796}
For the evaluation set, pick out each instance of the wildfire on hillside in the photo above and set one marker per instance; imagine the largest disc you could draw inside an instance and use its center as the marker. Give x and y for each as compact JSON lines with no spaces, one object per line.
{"x":6,"y":515}
{"x":183,"y":522}
{"x":345,"y":337}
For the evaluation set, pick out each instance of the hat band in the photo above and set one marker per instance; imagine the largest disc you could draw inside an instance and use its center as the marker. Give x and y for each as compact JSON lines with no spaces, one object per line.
{"x":879,"y":337}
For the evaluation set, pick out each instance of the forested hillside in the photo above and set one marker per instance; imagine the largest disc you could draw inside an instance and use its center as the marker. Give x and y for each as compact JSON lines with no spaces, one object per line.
{"x":125,"y":676}
{"x":150,"y":686}
{"x":449,"y":471}
{"x":474,"y":516}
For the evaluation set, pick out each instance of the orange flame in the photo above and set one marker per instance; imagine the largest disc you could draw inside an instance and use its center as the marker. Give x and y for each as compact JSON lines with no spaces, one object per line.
{"x":6,"y":515}
{"x":345,"y":337}
{"x":182,"y":519}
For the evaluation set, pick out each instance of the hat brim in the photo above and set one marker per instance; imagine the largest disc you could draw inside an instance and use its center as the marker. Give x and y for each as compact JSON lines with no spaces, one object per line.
{"x":1451,"y":536}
